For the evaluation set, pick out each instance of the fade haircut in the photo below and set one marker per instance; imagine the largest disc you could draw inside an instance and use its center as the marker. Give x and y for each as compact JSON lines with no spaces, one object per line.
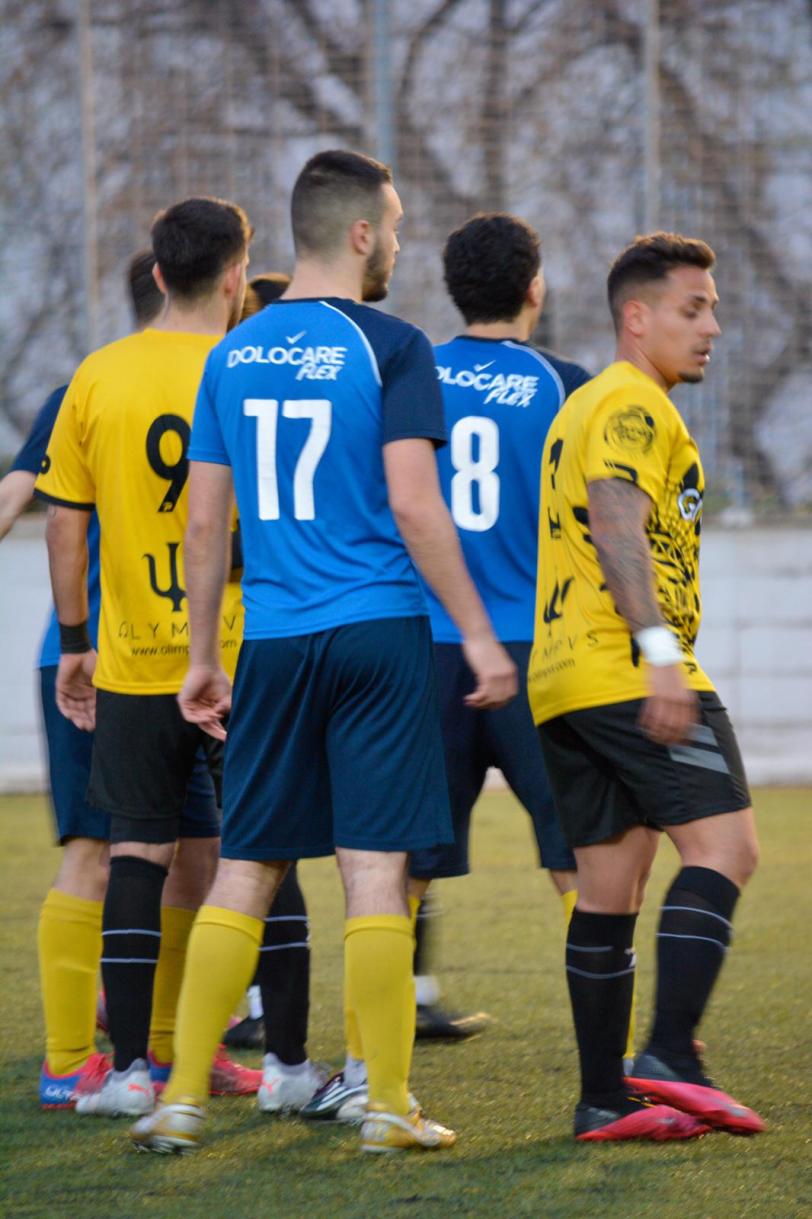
{"x":146,"y":297}
{"x":194,"y":241}
{"x":262,"y":290}
{"x":489,"y":263}
{"x":335,"y":189}
{"x":648,"y":260}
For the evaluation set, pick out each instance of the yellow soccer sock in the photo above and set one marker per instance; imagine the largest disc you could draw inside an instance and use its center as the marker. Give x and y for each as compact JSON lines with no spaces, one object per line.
{"x":352,"y":1034}
{"x":69,"y":939}
{"x":378,"y":952}
{"x":176,"y":924}
{"x":220,"y":963}
{"x":569,"y":900}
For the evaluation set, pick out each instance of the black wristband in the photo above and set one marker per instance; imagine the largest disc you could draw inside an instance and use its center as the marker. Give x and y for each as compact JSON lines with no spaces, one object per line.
{"x":74,"y":639}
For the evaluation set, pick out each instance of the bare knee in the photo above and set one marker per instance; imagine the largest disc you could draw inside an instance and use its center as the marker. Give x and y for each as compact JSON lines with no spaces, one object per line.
{"x":84,"y":869}
{"x":747,"y":860}
{"x":192,"y":872}
{"x":247,"y":886}
{"x":374,"y":881}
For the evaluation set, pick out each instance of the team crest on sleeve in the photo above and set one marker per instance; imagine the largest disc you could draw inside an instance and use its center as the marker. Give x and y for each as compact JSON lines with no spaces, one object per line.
{"x":631,"y":430}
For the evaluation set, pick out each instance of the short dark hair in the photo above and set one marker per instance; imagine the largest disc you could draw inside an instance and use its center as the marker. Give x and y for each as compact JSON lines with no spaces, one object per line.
{"x":489,"y":263}
{"x":649,"y":259}
{"x":263,"y":289}
{"x":195,"y":240}
{"x":334,"y":189}
{"x":146,"y":297}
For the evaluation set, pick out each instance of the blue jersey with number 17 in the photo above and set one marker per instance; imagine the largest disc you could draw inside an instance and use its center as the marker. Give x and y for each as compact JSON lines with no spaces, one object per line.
{"x":299,"y":400}
{"x":500,"y":397}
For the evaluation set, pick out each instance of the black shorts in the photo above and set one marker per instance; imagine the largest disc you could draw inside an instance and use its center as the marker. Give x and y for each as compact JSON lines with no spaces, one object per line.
{"x":608,"y":777}
{"x":473,"y":741}
{"x":143,"y":765}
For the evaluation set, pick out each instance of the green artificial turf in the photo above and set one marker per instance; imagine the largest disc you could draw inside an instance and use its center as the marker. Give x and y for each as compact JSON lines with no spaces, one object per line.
{"x":509,"y":1093}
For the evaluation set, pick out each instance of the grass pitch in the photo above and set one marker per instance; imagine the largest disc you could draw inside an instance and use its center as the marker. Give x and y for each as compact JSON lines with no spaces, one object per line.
{"x":510,"y":1093}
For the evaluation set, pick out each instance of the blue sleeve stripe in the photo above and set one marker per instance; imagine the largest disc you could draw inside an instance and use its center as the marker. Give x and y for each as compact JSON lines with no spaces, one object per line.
{"x":374,"y":363}
{"x":562,"y":393}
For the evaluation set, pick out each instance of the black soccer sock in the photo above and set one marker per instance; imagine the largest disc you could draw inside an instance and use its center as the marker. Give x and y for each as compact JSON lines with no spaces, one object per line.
{"x":424,"y":936}
{"x":283,"y":973}
{"x":600,"y":975}
{"x":692,"y":939}
{"x":131,"y":941}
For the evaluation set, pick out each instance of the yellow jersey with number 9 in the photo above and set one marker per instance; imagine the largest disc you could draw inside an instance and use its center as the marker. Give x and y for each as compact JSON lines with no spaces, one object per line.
{"x":119,"y":446}
{"x":619,"y":425}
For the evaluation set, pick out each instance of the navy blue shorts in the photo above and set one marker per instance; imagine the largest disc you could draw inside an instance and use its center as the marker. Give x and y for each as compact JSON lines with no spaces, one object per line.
{"x":69,"y":755}
{"x":334,"y":740}
{"x":475,"y":740}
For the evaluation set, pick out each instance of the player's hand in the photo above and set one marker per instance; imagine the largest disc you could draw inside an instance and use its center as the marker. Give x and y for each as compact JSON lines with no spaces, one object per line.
{"x":497,"y":679}
{"x":75,"y":692}
{"x":205,"y":699}
{"x":671,"y":709}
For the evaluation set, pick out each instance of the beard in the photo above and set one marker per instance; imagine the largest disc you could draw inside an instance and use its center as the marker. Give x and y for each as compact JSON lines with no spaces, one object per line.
{"x":235,"y":316}
{"x":375,"y":284}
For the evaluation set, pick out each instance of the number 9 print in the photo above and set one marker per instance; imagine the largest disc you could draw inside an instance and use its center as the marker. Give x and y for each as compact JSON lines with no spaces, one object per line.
{"x":176,"y":472}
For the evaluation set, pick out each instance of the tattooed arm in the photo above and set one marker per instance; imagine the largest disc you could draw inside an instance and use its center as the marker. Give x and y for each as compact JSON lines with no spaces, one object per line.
{"x":618,"y":513}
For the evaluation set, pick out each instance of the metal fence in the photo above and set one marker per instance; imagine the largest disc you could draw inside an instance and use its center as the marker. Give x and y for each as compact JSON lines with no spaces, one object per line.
{"x":593,"y":119}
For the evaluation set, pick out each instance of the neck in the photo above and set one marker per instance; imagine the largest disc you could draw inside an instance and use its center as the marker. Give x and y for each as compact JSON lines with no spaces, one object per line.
{"x":629,"y":351}
{"x":208,"y":316}
{"x":312,"y":277}
{"x":517,"y":328}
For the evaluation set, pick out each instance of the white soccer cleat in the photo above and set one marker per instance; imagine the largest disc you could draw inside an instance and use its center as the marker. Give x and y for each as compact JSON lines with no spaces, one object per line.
{"x":170,"y":1129}
{"x":288,"y":1089}
{"x":120,"y":1094}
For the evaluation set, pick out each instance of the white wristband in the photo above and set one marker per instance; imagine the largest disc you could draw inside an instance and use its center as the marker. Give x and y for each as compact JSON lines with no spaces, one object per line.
{"x":659,"y":646}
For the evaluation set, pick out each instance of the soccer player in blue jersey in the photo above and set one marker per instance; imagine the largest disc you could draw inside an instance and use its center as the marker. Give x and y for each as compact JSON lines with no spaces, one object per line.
{"x":323,"y":416}
{"x":500,"y":395}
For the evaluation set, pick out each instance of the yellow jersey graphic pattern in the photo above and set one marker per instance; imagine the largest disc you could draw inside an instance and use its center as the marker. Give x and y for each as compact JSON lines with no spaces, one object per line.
{"x":619,"y":425}
{"x":119,"y":445}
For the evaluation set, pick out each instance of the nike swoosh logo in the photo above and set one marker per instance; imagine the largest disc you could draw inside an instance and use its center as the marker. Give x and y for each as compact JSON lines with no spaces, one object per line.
{"x":482,"y":367}
{"x":136,"y":1088}
{"x":295,"y":338}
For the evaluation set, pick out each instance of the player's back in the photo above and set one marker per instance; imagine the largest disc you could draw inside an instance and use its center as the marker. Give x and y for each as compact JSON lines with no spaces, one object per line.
{"x":300,"y":400}
{"x":500,"y":397}
{"x":121,"y":447}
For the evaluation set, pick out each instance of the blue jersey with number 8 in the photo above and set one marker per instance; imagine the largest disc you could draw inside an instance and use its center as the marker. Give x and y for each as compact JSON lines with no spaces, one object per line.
{"x":500,"y":397}
{"x":300,"y":400}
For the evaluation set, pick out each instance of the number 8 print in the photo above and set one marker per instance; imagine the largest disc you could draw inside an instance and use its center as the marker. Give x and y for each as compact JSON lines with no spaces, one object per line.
{"x":471,"y":472}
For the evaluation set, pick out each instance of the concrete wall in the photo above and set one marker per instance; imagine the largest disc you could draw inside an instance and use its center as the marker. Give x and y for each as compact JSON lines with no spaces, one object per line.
{"x":756,"y":644}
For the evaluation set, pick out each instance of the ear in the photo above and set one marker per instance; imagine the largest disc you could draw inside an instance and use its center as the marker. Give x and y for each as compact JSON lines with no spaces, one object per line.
{"x":535,"y":292}
{"x":362,"y":237}
{"x":635,"y":317}
{"x":159,"y":279}
{"x":231,"y":278}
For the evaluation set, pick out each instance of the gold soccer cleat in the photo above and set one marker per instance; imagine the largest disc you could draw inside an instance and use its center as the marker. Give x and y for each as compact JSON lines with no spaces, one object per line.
{"x":383,"y":1131}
